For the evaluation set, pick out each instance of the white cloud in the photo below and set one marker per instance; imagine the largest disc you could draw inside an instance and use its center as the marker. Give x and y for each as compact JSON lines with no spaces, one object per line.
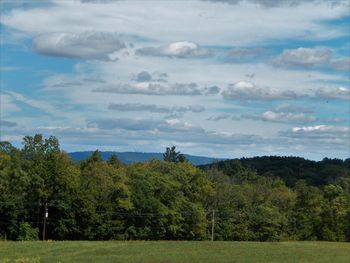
{"x":244,"y":53}
{"x":155,"y":108}
{"x":324,"y":134}
{"x":181,"y":49}
{"x":324,"y":139}
{"x":311,"y":57}
{"x":199,"y":22}
{"x":159,"y":89}
{"x":305,"y":57}
{"x":50,"y":110}
{"x":219,"y":117}
{"x":39,"y":104}
{"x":340,"y":93}
{"x":8,"y":104}
{"x":341,"y":64}
{"x":287,"y":117}
{"x":244,"y":90}
{"x":322,"y":129}
{"x":85,"y":45}
{"x":173,"y":129}
{"x":274,"y":3}
{"x":268,"y":116}
{"x":140,"y":88}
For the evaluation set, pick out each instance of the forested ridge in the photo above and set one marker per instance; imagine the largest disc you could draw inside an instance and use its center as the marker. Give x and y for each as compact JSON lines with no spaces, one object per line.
{"x":259,"y":199}
{"x":290,"y":169}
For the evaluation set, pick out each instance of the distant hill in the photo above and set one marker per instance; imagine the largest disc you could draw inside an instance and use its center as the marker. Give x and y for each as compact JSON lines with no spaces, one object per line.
{"x":290,"y":169}
{"x":132,"y":157}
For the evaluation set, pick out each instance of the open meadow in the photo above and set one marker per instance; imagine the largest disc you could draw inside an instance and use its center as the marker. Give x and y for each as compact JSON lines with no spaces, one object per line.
{"x":173,"y":251}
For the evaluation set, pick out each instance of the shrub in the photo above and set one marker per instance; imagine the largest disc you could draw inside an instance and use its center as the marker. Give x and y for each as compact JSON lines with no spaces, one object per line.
{"x":27,"y":232}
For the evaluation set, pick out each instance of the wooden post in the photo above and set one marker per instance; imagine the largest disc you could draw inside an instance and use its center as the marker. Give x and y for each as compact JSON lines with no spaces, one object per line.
{"x":212,"y":225}
{"x":46,"y":215}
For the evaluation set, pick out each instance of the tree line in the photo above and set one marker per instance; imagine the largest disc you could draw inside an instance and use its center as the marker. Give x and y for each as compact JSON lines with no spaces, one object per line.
{"x":259,"y":199}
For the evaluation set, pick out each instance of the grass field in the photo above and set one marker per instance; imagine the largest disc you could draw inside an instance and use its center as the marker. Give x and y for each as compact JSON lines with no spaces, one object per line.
{"x":172,"y":251}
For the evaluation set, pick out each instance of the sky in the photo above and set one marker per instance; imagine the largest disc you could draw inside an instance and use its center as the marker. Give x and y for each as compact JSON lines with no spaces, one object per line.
{"x":219,"y":78}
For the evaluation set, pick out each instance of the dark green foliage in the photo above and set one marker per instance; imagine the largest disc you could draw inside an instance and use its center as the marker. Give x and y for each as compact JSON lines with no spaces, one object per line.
{"x":113,"y":160}
{"x":167,"y":201}
{"x":259,"y":199}
{"x":259,"y":205}
{"x":27,"y":233}
{"x":291,"y":169}
{"x":171,"y":155}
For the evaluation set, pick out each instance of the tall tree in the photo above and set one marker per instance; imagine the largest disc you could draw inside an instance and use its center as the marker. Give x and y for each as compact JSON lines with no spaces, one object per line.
{"x":171,"y":155}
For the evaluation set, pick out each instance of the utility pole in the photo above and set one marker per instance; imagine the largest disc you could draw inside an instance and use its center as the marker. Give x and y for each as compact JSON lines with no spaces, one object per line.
{"x":46,"y":215}
{"x":212,"y":225}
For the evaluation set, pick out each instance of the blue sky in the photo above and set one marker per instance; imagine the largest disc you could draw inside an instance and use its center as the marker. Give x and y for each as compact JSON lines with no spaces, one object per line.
{"x":222,"y":78}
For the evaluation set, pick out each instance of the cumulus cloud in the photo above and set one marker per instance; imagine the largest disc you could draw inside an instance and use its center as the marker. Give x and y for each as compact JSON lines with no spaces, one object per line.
{"x":156,"y":108}
{"x":85,"y":45}
{"x":244,"y":90}
{"x":305,"y":57}
{"x":181,"y":49}
{"x":340,"y":93}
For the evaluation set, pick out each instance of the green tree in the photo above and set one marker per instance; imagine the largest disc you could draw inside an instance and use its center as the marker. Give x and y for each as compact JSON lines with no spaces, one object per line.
{"x":334,"y":214}
{"x":307,"y":212}
{"x":27,"y":233}
{"x":114,"y":160}
{"x":168,"y":200}
{"x":104,"y":198}
{"x":171,"y":155}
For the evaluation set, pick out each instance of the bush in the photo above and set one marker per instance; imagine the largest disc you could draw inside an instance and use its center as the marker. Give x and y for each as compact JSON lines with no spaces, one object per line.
{"x":27,"y":232}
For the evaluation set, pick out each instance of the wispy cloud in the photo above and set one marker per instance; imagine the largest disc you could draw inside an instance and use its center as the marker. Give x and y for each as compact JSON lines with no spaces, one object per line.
{"x":244,"y":90}
{"x":4,"y":123}
{"x":287,"y":117}
{"x":182,"y":49}
{"x":155,"y":108}
{"x":159,"y":89}
{"x":338,"y":93}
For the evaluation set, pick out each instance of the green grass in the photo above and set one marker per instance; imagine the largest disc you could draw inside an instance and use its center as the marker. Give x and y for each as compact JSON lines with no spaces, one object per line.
{"x":173,"y":251}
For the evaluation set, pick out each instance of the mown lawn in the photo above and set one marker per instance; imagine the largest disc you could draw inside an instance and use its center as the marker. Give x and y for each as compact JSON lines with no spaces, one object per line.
{"x":173,"y":251}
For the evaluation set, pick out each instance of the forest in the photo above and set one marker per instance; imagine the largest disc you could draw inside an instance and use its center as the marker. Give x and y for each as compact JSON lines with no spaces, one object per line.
{"x":46,"y":195}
